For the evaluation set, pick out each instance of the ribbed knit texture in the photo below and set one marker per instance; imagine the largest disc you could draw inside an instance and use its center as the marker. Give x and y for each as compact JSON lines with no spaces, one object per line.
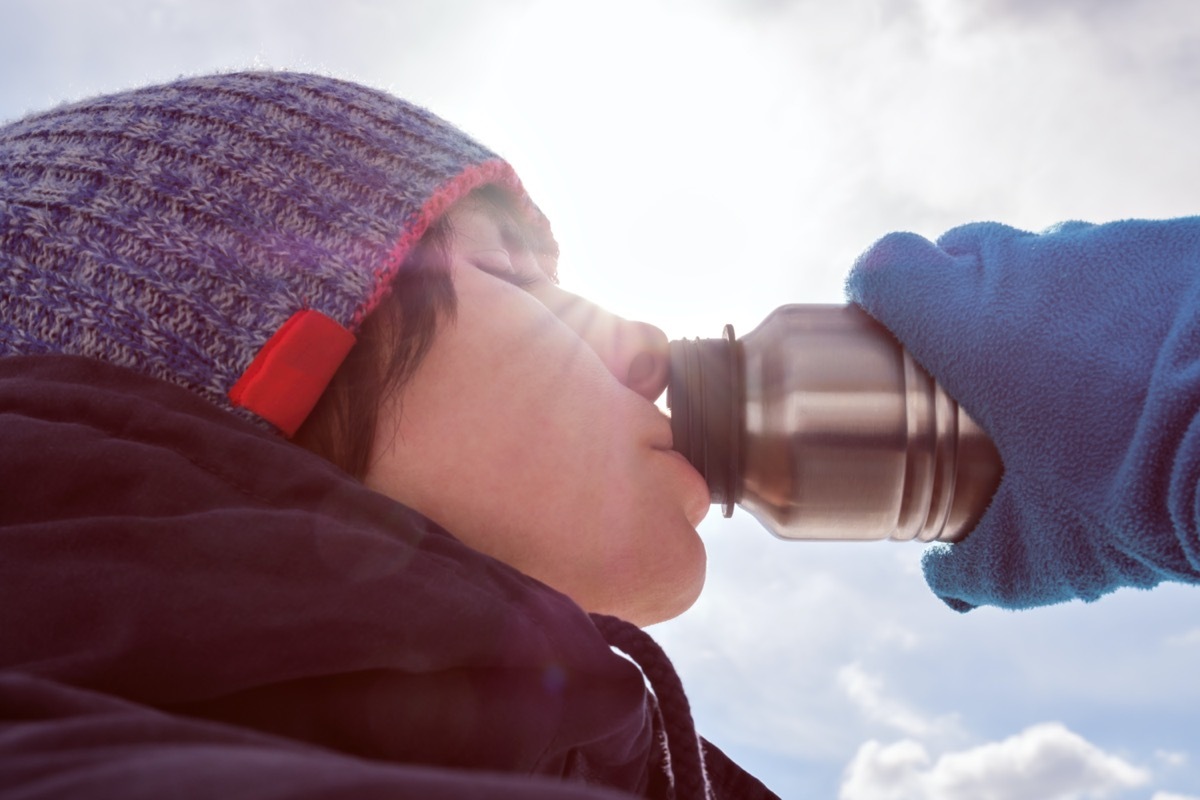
{"x":174,"y":229}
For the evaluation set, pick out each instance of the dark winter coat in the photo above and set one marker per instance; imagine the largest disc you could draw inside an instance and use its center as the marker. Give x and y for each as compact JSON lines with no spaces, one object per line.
{"x":190,"y":607}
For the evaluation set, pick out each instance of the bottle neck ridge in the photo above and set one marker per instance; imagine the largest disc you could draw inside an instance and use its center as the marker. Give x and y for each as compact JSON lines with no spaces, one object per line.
{"x":705,"y":397}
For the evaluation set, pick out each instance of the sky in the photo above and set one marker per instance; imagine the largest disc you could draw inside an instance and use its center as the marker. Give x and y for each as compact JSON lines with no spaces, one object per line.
{"x":705,"y":161}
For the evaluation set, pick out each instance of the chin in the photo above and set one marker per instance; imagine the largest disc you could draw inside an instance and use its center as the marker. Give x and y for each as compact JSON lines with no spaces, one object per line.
{"x":664,"y":596}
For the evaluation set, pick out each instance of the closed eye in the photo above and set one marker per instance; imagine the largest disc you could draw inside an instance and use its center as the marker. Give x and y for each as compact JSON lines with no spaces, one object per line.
{"x":518,"y":279}
{"x":498,"y":264}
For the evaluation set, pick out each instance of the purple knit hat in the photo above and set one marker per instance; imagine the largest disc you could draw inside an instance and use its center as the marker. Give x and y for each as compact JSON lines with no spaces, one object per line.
{"x":228,"y":233}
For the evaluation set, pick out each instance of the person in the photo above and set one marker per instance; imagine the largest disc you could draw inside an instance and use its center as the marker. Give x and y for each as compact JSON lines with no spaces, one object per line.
{"x":316,"y":482}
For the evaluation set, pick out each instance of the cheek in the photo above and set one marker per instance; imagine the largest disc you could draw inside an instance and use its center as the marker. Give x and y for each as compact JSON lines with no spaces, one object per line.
{"x":507,"y":404}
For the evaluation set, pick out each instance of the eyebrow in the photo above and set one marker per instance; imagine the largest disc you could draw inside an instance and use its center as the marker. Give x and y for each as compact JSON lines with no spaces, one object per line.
{"x":512,"y":233}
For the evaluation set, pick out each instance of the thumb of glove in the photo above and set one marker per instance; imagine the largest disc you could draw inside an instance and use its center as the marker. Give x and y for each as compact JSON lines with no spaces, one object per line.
{"x":931,"y":301}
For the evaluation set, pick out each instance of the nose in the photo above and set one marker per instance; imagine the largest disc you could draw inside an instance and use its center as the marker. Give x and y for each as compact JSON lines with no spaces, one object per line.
{"x":641,"y":358}
{"x":636,"y":353}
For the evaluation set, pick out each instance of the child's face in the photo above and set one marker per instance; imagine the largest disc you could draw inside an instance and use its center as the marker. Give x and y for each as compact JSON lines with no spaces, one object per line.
{"x":528,"y":431}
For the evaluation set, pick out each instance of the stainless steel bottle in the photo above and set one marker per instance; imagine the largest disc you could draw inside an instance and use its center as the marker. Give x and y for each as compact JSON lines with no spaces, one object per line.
{"x":821,"y":425}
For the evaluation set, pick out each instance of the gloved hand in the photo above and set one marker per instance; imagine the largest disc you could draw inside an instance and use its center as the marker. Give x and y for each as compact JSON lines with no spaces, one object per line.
{"x":1078,"y":351}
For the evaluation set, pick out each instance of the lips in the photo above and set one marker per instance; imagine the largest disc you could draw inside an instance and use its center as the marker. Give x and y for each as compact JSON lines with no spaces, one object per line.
{"x":663,"y":438}
{"x":697,"y":499}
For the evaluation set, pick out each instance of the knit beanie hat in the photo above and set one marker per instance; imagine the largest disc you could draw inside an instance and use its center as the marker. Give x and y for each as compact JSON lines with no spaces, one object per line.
{"x":227,"y":233}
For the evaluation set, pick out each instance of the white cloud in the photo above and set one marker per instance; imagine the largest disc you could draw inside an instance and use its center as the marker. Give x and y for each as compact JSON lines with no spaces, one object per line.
{"x":1045,"y":761}
{"x":866,"y":691}
{"x":887,"y":772}
{"x":1173,"y":796}
{"x":1171,"y":758}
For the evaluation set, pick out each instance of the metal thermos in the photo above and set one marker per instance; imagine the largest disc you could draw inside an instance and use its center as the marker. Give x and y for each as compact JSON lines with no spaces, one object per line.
{"x":821,"y":425}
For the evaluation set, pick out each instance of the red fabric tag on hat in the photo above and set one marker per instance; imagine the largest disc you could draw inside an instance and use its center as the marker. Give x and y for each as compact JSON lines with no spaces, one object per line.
{"x":289,"y":374}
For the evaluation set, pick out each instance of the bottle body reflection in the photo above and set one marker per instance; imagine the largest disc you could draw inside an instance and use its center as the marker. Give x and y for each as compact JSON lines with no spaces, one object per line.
{"x":822,"y":426}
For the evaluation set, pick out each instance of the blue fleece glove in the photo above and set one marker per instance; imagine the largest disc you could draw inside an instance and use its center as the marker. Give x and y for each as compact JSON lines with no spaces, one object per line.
{"x":1078,"y":351}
